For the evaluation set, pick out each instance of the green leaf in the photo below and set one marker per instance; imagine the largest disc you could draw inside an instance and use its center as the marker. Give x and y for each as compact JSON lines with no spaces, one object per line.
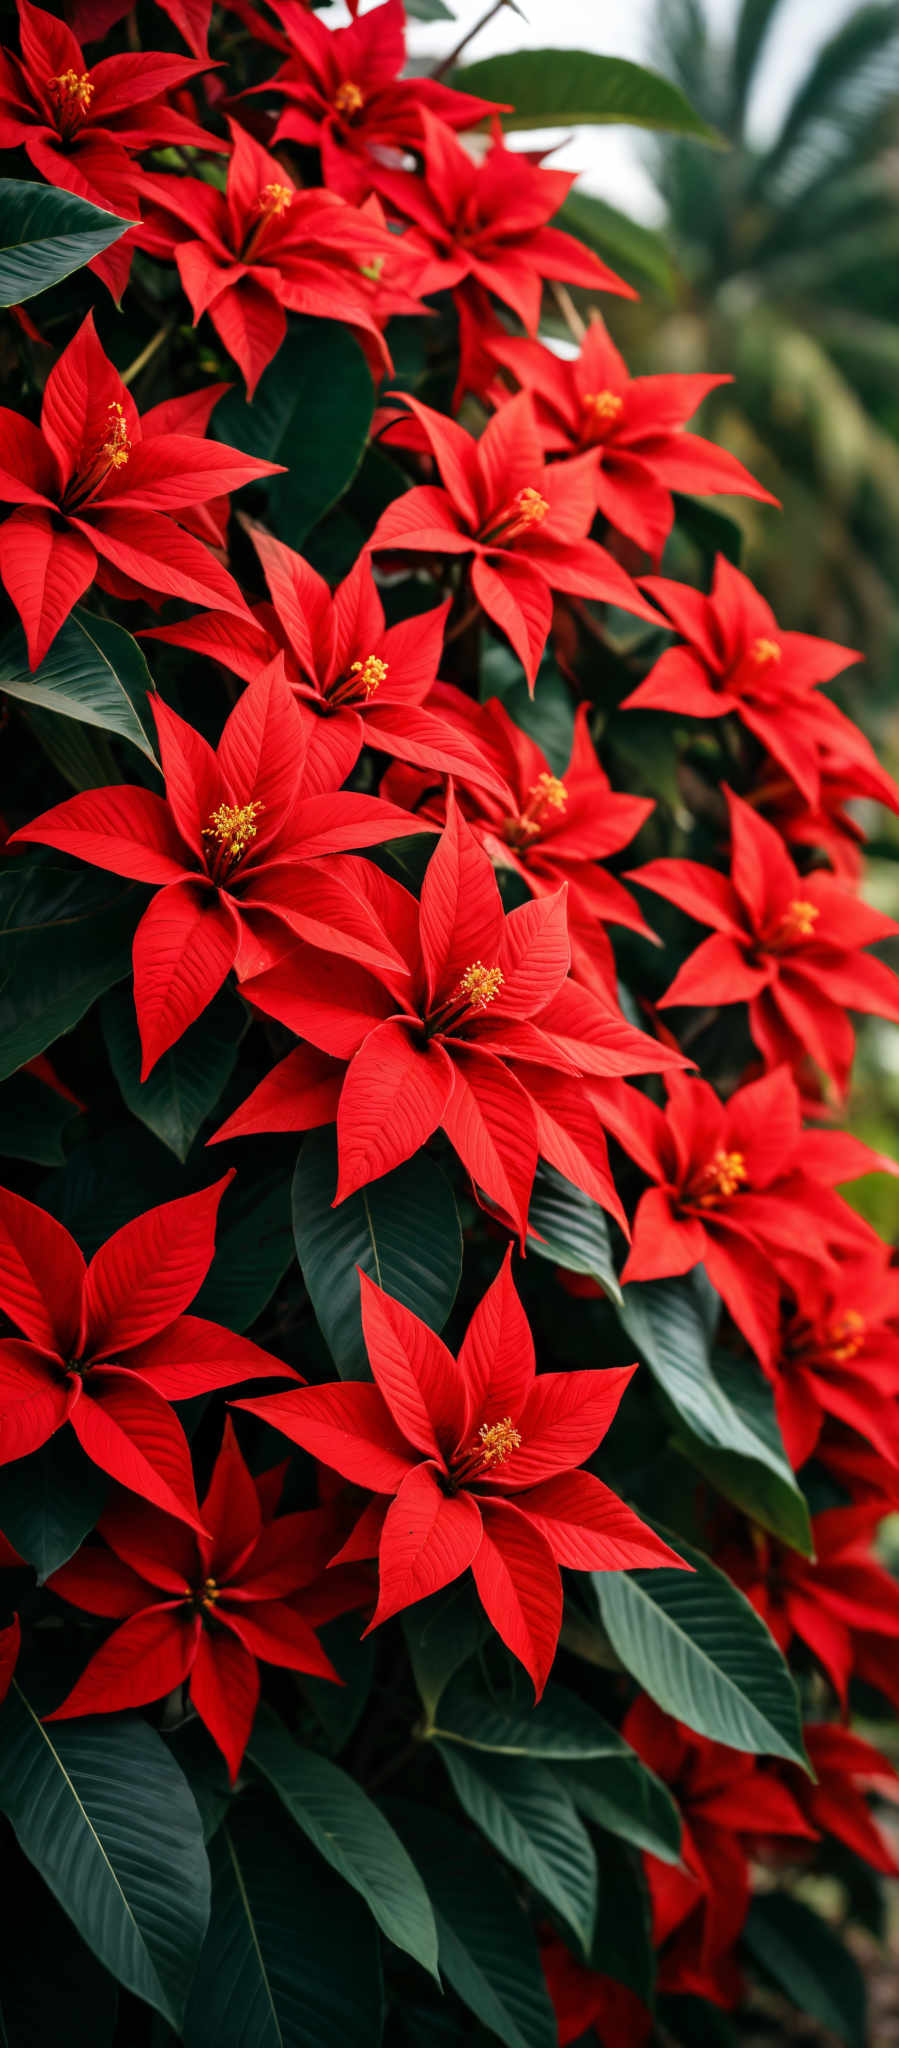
{"x":312,"y":410}
{"x":770,"y":1493}
{"x":553,"y":88}
{"x":403,"y":1230}
{"x":487,"y":1948}
{"x":623,"y":1945}
{"x":808,"y":1962}
{"x":573,"y":1229}
{"x":725,"y":1403}
{"x":624,"y":243}
{"x":186,"y":1082}
{"x":560,"y":1728}
{"x":524,"y":1810}
{"x":429,"y":10}
{"x":291,"y":1958}
{"x":441,"y":1634}
{"x":49,"y":1502}
{"x":94,"y":673}
{"x":33,"y":1118}
{"x":701,"y":1652}
{"x":46,"y":235}
{"x":66,"y":939}
{"x":344,"y":1825}
{"x":547,"y":715}
{"x":253,"y":1250}
{"x":101,"y":1809}
{"x":620,"y":1794}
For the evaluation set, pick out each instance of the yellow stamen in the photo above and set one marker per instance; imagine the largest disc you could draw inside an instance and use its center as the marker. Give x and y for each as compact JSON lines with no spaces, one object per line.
{"x":550,"y":790}
{"x":497,"y":1441}
{"x":76,"y":92}
{"x":371,"y":673}
{"x":372,"y":269}
{"x":800,"y":920}
{"x":765,"y":652}
{"x":546,"y":795}
{"x":348,"y":99}
{"x":605,"y":406}
{"x":233,"y":825}
{"x":209,"y":1593}
{"x":275,"y":200}
{"x":721,"y":1178}
{"x":479,"y":984}
{"x":117,"y":446}
{"x":532,"y":508}
{"x":847,"y":1336}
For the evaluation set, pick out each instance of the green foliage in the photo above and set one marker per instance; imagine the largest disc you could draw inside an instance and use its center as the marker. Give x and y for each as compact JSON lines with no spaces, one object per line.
{"x":46,"y":235}
{"x":804,"y":1957}
{"x":95,"y":673}
{"x":66,"y":938}
{"x":550,"y":88}
{"x":311,"y":412}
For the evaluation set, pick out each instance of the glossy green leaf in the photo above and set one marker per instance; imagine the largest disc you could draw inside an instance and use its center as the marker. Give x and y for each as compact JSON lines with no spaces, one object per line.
{"x":560,"y":1728}
{"x":570,"y":1230}
{"x":442,"y":1633}
{"x":312,"y":411}
{"x":291,"y":1958}
{"x":47,"y":234}
{"x":702,"y":1653}
{"x":94,"y":673}
{"x":636,"y":251}
{"x":622,"y":1945}
{"x":403,"y":1230}
{"x":555,"y":88}
{"x":619,"y":1794}
{"x":346,"y":1827}
{"x":186,"y":1082}
{"x":101,"y":1809}
{"x":66,"y":937}
{"x":770,"y":1494}
{"x":50,"y":1501}
{"x":33,"y":1118}
{"x":253,"y":1249}
{"x":429,"y":10}
{"x":804,"y":1957}
{"x":523,"y":1808}
{"x":487,"y":1948}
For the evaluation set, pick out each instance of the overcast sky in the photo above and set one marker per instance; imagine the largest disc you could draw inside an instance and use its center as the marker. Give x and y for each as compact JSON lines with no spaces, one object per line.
{"x":610,"y":158}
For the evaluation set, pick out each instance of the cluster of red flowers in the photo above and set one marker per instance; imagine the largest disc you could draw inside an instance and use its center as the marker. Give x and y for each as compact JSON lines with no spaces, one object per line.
{"x":445,"y":1011}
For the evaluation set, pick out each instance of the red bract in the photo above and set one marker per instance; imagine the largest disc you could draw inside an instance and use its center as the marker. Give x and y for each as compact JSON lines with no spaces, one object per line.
{"x":549,"y":828}
{"x":357,"y":681}
{"x":789,"y":945}
{"x":204,"y":1606}
{"x":107,"y":1346}
{"x":737,"y":659}
{"x":740,"y":1188}
{"x":843,"y":1606}
{"x":94,"y":499}
{"x":525,"y":524}
{"x":472,"y":1460}
{"x":93,"y":18}
{"x":262,"y":248}
{"x":582,"y":1999}
{"x":838,"y":1355}
{"x":636,"y":425}
{"x":238,"y":853}
{"x":484,"y":1037}
{"x":79,"y":125}
{"x":486,"y":224}
{"x":846,"y":1768}
{"x":346,"y":97}
{"x":727,"y":1800}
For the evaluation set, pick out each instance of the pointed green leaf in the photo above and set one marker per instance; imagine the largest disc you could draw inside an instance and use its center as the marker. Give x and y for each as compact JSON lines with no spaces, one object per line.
{"x":186,"y":1082}
{"x":570,"y":1230}
{"x":555,"y":88}
{"x":805,"y":1958}
{"x":312,"y":411}
{"x":94,"y":673}
{"x":66,"y":937}
{"x":50,"y":1501}
{"x":46,"y":235}
{"x":525,"y":1811}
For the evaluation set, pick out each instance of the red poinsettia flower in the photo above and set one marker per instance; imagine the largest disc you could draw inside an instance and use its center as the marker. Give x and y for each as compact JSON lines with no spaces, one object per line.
{"x":204,"y":1605}
{"x":471,"y":1462}
{"x":107,"y":1346}
{"x":582,"y":2000}
{"x":786,"y":944}
{"x":549,"y":828}
{"x":846,"y":1768}
{"x":837,"y":1355}
{"x":524,"y":523}
{"x":238,"y":853}
{"x":483,"y":1037}
{"x":842,"y":1603}
{"x":741,"y":1188}
{"x":95,"y":500}
{"x":90,"y":19}
{"x":738,"y":659}
{"x":10,"y":1645}
{"x":636,"y":425}
{"x":727,"y":1800}
{"x":486,"y":224}
{"x":357,"y":681}
{"x":79,"y":124}
{"x":250,"y":254}
{"x":346,"y":97}
{"x":826,"y":826}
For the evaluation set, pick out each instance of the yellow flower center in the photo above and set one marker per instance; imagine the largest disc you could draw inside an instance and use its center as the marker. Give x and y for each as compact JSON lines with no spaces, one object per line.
{"x":528,"y":508}
{"x":372,"y":269}
{"x":348,"y":99}
{"x":799,"y":920}
{"x":73,"y":93}
{"x":545,"y":796}
{"x":765,"y":652}
{"x":209,"y":1593}
{"x":275,"y":200}
{"x":371,"y":673}
{"x":721,"y":1178}
{"x":847,"y":1336}
{"x":479,"y":984}
{"x":117,"y":446}
{"x":497,"y":1441}
{"x":532,"y":508}
{"x":233,"y":826}
{"x":603,"y":407}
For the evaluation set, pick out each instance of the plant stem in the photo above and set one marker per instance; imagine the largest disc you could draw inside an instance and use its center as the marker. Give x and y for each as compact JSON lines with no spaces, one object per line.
{"x":446,"y":63}
{"x":146,"y":355}
{"x":577,"y":327}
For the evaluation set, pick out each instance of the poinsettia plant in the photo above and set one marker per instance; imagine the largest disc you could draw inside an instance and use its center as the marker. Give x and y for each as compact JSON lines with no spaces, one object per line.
{"x":449,"y":1386}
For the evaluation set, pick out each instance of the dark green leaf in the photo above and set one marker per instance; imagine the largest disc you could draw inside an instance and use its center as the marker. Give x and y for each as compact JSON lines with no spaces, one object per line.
{"x":770,"y":1494}
{"x":441,"y":1634}
{"x":83,"y":757}
{"x":53,"y":1989}
{"x":345,"y":1826}
{"x":50,"y":1501}
{"x":553,"y":88}
{"x":619,"y":1793}
{"x":623,"y":1945}
{"x":573,"y":1230}
{"x":94,"y":673}
{"x":547,"y":716}
{"x":402,"y":1230}
{"x":624,"y":243}
{"x":46,"y":235}
{"x":487,"y":1948}
{"x":429,"y":10}
{"x":253,"y":1250}
{"x":291,"y":1958}
{"x":523,"y":1808}
{"x":702,"y":1653}
{"x":66,"y":939}
{"x":311,"y":411}
{"x":33,"y":1118}
{"x":560,"y":1728}
{"x":805,"y":1958}
{"x":101,"y":1809}
{"x":186,"y":1082}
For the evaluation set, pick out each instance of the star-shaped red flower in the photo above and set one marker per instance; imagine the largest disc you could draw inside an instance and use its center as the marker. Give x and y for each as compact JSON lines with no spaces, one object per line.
{"x":472,"y":1463}
{"x":837,"y":1355}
